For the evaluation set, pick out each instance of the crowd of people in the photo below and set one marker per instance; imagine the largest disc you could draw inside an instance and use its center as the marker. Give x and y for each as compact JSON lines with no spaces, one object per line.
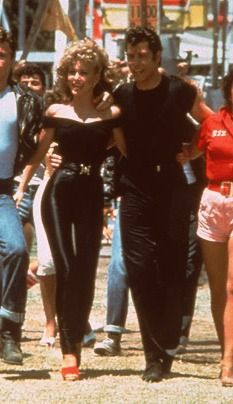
{"x":135,"y":138}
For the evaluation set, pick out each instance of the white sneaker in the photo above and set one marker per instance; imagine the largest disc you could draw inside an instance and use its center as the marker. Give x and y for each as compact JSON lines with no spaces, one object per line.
{"x":108,"y":347}
{"x":47,"y":341}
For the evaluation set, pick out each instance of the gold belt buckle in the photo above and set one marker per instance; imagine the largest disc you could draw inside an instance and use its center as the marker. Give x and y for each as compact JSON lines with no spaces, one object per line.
{"x":85,"y":170}
{"x":229,"y":191}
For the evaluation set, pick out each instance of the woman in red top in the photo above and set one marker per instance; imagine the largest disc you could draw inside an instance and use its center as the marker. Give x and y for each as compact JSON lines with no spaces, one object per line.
{"x":215,"y":220}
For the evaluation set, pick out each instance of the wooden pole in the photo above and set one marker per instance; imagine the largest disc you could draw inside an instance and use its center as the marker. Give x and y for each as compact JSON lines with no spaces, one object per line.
{"x":224,"y":35}
{"x":35,"y":28}
{"x":60,"y":40}
{"x":21,"y":24}
{"x":215,"y":44}
{"x":143,"y":13}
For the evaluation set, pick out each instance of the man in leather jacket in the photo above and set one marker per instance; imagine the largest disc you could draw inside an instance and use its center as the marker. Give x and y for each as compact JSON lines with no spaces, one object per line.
{"x":21,"y":121}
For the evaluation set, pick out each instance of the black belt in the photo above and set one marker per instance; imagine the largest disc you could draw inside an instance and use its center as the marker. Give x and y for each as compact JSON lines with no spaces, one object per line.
{"x":82,"y":169}
{"x":153,"y":168}
{"x":161,"y":167}
{"x":158,"y":168}
{"x":6,"y":186}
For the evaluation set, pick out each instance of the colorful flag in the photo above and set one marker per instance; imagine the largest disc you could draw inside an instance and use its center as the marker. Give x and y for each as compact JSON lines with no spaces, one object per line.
{"x":55,"y":19}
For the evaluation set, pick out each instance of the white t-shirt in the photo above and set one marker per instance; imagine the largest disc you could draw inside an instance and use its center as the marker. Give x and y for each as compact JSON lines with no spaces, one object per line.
{"x":8,"y":133}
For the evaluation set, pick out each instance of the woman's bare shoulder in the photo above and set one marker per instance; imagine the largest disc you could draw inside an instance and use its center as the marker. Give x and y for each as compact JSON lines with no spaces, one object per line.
{"x":54,"y":109}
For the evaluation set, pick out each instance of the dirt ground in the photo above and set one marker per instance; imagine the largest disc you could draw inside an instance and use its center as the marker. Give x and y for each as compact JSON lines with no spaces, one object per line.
{"x":115,"y":380}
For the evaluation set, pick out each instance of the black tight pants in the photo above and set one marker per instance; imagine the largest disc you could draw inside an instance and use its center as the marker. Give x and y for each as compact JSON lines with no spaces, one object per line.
{"x":72,"y":214}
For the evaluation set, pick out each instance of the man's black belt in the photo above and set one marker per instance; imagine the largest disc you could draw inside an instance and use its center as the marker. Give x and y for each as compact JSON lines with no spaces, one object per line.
{"x":161,"y":167}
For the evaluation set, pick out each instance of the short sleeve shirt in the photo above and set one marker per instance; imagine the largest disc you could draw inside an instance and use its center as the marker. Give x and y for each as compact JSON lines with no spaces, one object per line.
{"x":153,"y":123}
{"x":215,"y":139}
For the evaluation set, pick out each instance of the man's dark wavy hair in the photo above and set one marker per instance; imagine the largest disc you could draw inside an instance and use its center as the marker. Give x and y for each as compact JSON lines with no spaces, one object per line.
{"x":6,"y":36}
{"x":29,"y":69}
{"x":139,"y":34}
{"x":227,"y":84}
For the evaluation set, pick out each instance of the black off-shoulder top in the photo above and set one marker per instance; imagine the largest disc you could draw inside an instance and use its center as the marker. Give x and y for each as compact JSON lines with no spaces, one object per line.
{"x":82,"y":142}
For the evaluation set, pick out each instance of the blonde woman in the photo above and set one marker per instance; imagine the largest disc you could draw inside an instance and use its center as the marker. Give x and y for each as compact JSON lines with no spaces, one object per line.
{"x":73,"y":200}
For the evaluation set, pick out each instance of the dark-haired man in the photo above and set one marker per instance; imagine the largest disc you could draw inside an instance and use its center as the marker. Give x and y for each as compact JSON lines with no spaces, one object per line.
{"x":33,"y":77}
{"x":154,"y":110}
{"x":21,"y":118}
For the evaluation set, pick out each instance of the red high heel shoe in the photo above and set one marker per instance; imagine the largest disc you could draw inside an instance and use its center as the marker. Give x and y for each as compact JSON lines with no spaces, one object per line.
{"x":70,"y":373}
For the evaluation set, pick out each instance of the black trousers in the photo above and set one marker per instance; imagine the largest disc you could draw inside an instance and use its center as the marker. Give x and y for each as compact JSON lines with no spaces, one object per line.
{"x":72,"y":213}
{"x":154,"y":237}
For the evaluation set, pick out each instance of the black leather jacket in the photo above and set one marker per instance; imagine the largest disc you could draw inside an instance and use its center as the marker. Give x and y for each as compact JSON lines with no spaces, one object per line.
{"x":29,"y":115}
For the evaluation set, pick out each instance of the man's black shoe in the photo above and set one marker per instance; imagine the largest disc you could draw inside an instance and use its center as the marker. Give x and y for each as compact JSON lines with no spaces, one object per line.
{"x":11,"y":352}
{"x":11,"y":337}
{"x":167,"y":364}
{"x":153,"y":372}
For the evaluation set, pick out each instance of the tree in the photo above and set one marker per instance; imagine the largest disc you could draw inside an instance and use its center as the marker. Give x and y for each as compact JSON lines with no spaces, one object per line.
{"x":45,"y":40}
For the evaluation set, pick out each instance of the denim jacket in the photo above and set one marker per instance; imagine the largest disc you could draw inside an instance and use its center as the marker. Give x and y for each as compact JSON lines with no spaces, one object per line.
{"x":29,"y":113}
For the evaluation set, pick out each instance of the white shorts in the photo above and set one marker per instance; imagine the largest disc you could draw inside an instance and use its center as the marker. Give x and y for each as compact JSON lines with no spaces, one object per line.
{"x":215,"y":216}
{"x":44,"y":256}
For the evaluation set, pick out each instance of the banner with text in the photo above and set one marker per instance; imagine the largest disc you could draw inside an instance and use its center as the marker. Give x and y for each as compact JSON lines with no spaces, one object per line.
{"x":175,"y":15}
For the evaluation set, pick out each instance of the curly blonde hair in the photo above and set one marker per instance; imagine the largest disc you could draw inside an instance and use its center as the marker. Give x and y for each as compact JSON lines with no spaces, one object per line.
{"x":85,"y":50}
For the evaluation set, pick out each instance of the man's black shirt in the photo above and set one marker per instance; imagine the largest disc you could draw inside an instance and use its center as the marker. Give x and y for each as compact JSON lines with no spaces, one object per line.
{"x":155,"y":125}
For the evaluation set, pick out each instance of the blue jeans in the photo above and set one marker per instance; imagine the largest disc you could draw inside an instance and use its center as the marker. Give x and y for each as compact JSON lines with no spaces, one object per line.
{"x":14,"y":262}
{"x":25,"y":207}
{"x":118,"y":290}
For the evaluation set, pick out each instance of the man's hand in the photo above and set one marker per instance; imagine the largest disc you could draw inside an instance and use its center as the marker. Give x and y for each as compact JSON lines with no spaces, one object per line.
{"x":184,"y":156}
{"x":103,"y":101}
{"x":107,"y":234}
{"x":181,"y":158}
{"x":52,"y":159}
{"x":107,"y":231}
{"x":18,"y":196}
{"x":55,"y":160}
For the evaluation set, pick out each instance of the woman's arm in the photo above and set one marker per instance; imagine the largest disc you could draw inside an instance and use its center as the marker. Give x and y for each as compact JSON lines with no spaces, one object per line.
{"x":190,"y":151}
{"x":200,"y":110}
{"x":46,"y":137}
{"x":193,"y":151}
{"x":119,"y":140}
